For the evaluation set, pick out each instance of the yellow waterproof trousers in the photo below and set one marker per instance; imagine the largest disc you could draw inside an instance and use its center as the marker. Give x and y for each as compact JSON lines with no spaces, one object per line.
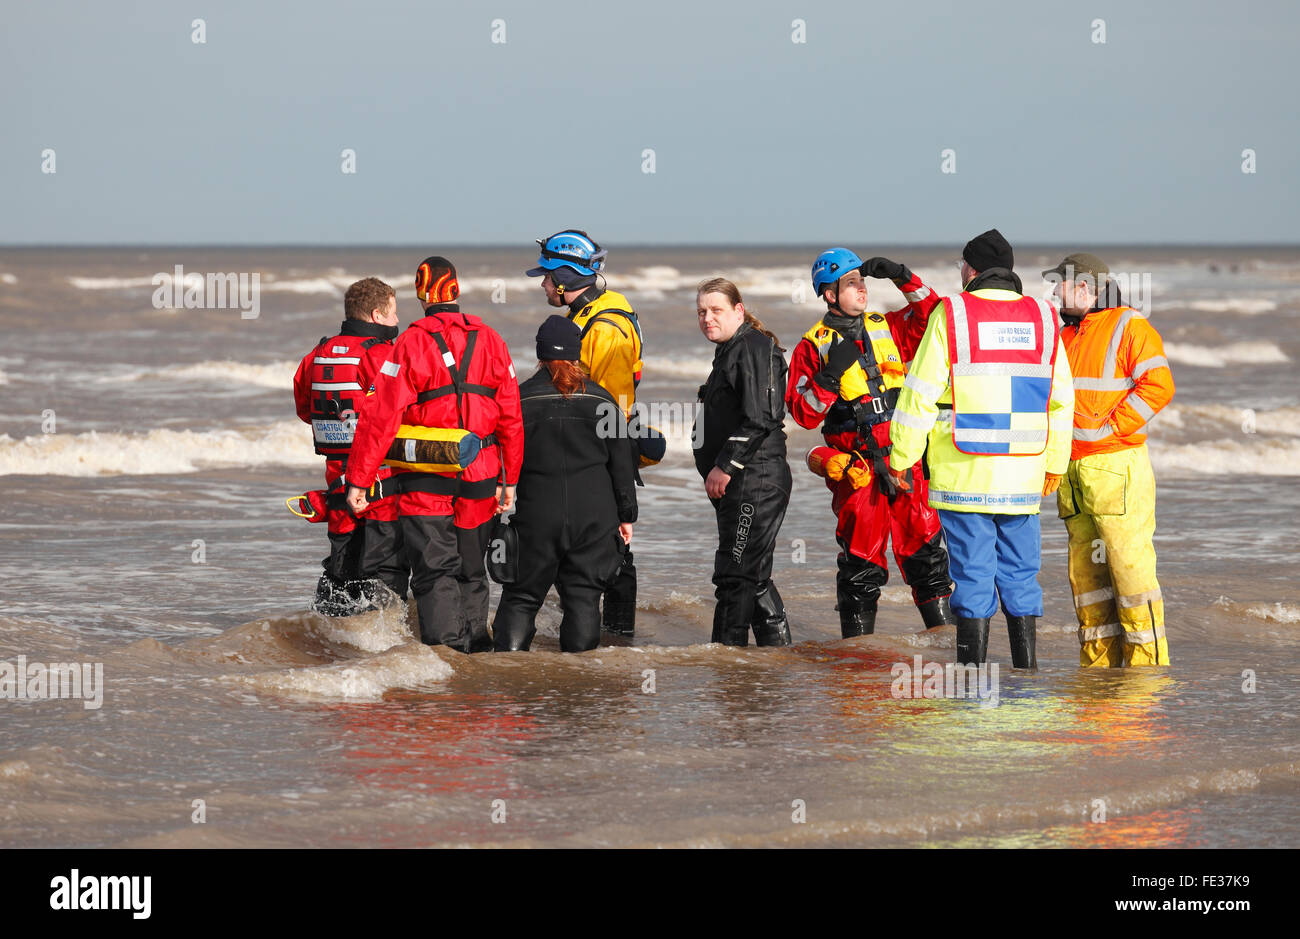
{"x":1108,"y":502}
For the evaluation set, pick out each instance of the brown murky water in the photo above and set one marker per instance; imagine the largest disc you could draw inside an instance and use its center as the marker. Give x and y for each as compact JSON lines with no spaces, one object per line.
{"x":147,"y":533}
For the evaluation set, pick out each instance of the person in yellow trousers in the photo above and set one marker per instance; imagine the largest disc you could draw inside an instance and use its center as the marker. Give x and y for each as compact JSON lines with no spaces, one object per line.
{"x":1108,"y":497}
{"x":989,"y":393}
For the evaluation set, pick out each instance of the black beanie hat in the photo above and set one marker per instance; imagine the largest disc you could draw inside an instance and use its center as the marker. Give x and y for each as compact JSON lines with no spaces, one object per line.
{"x":558,"y":338}
{"x":570,"y":279}
{"x":987,"y":251}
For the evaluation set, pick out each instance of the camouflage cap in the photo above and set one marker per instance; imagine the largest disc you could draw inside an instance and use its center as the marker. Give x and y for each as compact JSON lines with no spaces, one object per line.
{"x":1080,"y":263}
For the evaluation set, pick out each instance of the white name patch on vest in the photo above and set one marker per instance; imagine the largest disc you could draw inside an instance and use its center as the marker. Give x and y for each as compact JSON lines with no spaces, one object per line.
{"x":1006,"y":336}
{"x":390,"y":369}
{"x":340,"y":350}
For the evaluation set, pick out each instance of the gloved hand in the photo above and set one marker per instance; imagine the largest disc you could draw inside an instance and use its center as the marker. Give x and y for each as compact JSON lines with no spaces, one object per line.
{"x":1051,"y":482}
{"x":887,"y":270}
{"x":842,"y":356}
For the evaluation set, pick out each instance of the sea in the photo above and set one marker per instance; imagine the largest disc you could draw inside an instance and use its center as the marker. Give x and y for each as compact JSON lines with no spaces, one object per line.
{"x":148,"y":444}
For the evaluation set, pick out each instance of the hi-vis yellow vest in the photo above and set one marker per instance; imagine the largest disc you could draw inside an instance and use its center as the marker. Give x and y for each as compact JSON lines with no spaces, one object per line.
{"x":614,"y":309}
{"x":1002,"y":357}
{"x":856,"y":381}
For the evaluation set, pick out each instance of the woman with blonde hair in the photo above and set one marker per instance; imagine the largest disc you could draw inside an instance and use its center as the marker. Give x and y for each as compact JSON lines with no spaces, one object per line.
{"x":740,"y":453}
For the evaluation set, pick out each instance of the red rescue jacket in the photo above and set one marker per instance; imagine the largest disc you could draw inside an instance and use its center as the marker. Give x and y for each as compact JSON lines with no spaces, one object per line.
{"x":330,"y":388}
{"x":418,"y":369}
{"x":810,"y":404}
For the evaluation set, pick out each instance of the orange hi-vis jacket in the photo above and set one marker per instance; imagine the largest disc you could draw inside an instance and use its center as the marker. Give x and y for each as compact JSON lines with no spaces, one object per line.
{"x":1121,"y":379}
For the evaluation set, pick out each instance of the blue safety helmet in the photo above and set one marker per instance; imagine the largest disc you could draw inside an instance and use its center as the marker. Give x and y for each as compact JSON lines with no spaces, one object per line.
{"x":570,"y":248}
{"x":831,"y":265}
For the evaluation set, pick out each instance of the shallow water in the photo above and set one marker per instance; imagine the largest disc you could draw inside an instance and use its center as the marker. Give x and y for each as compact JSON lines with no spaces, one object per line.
{"x":299,"y":730}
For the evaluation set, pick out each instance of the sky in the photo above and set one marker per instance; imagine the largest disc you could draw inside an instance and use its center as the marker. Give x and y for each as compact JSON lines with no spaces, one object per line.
{"x":769,"y":122}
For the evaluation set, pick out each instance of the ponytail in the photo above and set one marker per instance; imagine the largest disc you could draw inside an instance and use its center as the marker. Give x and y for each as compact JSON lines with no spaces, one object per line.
{"x":756,"y":324}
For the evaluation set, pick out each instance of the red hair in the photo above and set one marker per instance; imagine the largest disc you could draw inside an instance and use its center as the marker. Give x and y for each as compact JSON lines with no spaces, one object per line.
{"x":567,"y":375}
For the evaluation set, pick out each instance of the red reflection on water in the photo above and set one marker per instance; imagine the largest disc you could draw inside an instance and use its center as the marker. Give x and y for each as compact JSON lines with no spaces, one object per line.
{"x":448,"y":743}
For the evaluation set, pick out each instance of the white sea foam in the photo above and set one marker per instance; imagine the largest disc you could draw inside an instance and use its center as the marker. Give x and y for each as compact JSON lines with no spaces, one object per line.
{"x":1245,"y":305}
{"x":411,"y":665}
{"x":4,"y":379}
{"x":117,"y":283}
{"x":274,"y":375}
{"x":1242,"y":420}
{"x":1277,"y":612}
{"x":155,"y":451}
{"x":8,"y":279}
{"x":1262,"y":457}
{"x":375,"y":631}
{"x":1259,"y":352}
{"x":328,"y":285}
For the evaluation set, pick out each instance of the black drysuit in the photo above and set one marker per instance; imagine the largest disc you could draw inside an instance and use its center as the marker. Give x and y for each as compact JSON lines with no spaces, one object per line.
{"x":739,"y":431}
{"x":577,"y":484}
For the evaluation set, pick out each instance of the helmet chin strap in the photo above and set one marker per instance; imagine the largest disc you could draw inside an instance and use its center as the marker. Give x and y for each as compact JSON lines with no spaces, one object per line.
{"x":836,"y":305}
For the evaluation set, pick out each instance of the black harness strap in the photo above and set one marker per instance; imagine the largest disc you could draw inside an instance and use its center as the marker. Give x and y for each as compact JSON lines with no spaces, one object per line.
{"x":429,"y":482}
{"x":455,"y":487}
{"x":602,"y":316}
{"x":868,"y":412}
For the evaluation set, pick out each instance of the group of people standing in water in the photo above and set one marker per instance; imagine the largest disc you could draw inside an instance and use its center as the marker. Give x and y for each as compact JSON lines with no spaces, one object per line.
{"x":945,"y":424}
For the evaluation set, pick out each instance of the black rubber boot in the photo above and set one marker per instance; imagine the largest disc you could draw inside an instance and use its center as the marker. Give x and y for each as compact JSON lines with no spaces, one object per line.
{"x":972,"y":640}
{"x":857,"y":593}
{"x":1022,"y":632}
{"x":936,"y":612}
{"x":333,"y":599}
{"x":771,"y":628}
{"x":480,"y":640}
{"x":857,"y":623}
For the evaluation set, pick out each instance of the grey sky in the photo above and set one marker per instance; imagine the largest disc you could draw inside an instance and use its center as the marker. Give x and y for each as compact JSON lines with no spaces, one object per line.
{"x":756,"y":138}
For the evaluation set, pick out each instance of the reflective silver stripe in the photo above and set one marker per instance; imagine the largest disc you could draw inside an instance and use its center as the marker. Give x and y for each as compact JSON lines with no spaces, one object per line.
{"x":335,"y":386}
{"x":962,"y":339}
{"x":737,"y":465}
{"x":1112,"y":350}
{"x":986,"y":498}
{"x":1003,"y":368}
{"x":999,"y":435}
{"x":1094,"y":596}
{"x":1093,"y":434}
{"x":926,"y":389}
{"x":810,"y":398}
{"x":1100,"y":632}
{"x":912,"y":420}
{"x":1103,"y":384}
{"x":1138,"y":599}
{"x":1135,"y":401}
{"x":915,"y":295}
{"x":1140,"y":637}
{"x":1049,"y":332}
{"x":742,"y":439}
{"x":879,"y":334}
{"x":336,"y":360}
{"x":1156,"y":361}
